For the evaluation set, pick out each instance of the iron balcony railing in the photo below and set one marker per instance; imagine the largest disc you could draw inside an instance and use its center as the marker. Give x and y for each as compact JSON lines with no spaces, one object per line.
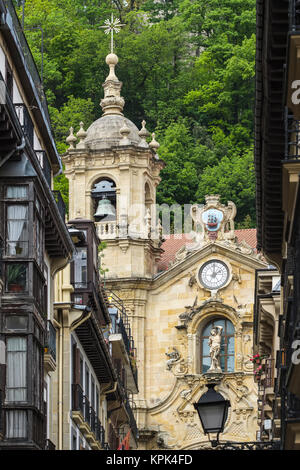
{"x":45,"y":165}
{"x":22,"y":123}
{"x":28,"y":129}
{"x":81,"y":403}
{"x":50,"y":345}
{"x":49,"y":445}
{"x":1,"y":258}
{"x":268,"y":376}
{"x":100,"y":433}
{"x":292,"y":137}
{"x":25,"y":121}
{"x":121,"y":324}
{"x":132,"y":421}
{"x":60,"y":204}
{"x":118,"y":327}
{"x":292,"y":406}
{"x":92,"y":419}
{"x":2,"y":430}
{"x":77,"y":398}
{"x":113,"y":438}
{"x":6,"y":101}
{"x":258,"y":445}
{"x":86,"y":410}
{"x":294,"y":15}
{"x":90,"y":295}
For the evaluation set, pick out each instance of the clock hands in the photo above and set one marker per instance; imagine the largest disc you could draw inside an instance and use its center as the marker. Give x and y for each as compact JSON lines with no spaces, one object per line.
{"x":214,"y":274}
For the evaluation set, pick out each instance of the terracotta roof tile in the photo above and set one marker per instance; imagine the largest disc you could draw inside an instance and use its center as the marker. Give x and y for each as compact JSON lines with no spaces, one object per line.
{"x":173,"y":243}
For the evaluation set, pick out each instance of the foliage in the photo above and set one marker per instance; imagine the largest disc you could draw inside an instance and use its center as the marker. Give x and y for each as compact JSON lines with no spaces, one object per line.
{"x":101,"y":255}
{"x":187,"y":67}
{"x":233,"y":178}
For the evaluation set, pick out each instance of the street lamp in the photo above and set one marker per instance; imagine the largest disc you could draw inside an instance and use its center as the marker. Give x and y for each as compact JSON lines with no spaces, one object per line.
{"x":212,"y":409}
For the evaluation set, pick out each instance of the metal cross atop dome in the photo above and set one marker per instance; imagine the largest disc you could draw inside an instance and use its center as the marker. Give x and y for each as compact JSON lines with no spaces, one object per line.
{"x":110,"y":27}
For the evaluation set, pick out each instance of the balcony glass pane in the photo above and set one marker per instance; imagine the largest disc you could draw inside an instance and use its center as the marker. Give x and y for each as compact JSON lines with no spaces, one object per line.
{"x":16,"y":192}
{"x":16,"y":370}
{"x":17,"y":230}
{"x":16,"y":277}
{"x":80,"y":268}
{"x":16,"y":424}
{"x":16,"y":323}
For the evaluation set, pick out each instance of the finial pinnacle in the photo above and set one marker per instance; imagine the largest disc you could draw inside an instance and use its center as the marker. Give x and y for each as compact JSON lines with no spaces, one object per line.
{"x":81,"y":134}
{"x":71,"y":139}
{"x":143,"y":133}
{"x":124,"y":131}
{"x":154,"y":144}
{"x":113,"y":102}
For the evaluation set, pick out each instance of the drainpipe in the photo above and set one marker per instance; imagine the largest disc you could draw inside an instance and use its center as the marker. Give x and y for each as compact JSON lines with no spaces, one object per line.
{"x":60,"y":384}
{"x":89,"y":313}
{"x":18,"y":148}
{"x":106,"y":392}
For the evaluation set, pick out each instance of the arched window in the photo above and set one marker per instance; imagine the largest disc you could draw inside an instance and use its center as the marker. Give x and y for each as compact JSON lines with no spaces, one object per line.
{"x":227,"y":345}
{"x":104,"y":196}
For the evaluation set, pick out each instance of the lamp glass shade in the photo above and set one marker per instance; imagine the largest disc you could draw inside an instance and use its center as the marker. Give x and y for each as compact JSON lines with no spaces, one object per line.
{"x":212,"y":417}
{"x":212,"y":409}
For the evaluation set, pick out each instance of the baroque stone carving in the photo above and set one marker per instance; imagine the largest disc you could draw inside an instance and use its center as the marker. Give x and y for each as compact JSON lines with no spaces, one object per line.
{"x":214,"y":219}
{"x":213,"y":222}
{"x":174,"y":357}
{"x":214,"y":302}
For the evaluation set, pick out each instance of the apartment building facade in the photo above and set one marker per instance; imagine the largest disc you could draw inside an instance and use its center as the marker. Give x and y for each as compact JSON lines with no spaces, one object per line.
{"x":35,"y":242}
{"x":277,"y":164}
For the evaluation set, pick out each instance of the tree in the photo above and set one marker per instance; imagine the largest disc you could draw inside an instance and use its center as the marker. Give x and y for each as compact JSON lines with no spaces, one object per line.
{"x":234,"y":179}
{"x":187,"y":67}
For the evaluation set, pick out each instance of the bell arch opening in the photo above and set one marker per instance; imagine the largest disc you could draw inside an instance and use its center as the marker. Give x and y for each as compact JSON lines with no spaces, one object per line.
{"x":104,"y":200}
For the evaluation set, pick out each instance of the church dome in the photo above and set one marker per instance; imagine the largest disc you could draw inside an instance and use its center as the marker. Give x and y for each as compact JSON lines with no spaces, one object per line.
{"x":112,"y":128}
{"x":105,"y":132}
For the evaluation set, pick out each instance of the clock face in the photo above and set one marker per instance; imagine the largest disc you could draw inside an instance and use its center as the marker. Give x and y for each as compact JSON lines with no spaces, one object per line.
{"x":214,"y":274}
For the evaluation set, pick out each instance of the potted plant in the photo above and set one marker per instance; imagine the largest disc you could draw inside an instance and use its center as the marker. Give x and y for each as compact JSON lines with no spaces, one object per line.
{"x":16,"y":277}
{"x":19,"y":249}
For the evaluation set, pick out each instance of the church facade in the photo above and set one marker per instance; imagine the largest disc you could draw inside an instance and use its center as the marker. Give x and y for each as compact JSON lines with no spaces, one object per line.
{"x":189,"y":297}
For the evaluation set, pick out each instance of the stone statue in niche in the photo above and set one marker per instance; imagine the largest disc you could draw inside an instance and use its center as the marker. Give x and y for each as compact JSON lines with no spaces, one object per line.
{"x":214,"y":343}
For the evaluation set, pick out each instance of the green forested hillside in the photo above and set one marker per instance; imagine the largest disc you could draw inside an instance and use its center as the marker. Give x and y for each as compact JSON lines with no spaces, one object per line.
{"x":187,"y":67}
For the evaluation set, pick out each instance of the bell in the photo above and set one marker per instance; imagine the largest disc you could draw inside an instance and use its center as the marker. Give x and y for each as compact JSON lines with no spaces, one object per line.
{"x":105,"y":208}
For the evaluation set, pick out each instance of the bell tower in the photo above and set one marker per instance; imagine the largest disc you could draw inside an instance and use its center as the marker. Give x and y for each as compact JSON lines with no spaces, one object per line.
{"x":113,"y":174}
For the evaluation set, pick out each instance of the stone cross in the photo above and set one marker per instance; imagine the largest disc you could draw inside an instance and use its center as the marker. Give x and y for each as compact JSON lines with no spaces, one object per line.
{"x":110,"y":27}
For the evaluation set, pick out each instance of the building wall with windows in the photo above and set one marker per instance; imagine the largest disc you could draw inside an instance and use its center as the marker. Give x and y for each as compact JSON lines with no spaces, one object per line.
{"x":95,"y":379}
{"x":266,"y":343}
{"x":277,"y":115}
{"x":35,"y":241}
